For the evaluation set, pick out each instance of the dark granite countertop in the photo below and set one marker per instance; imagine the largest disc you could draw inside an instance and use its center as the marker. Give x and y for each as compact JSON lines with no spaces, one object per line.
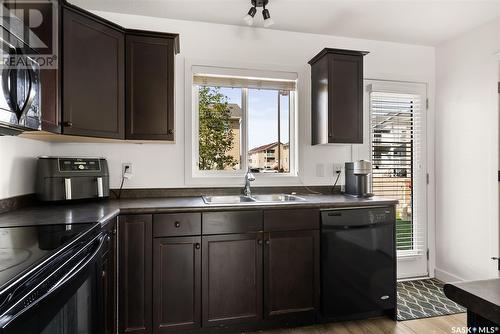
{"x":102,"y":211}
{"x":480,"y":297}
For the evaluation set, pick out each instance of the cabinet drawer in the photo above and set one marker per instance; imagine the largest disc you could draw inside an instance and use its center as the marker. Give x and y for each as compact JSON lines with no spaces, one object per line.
{"x":232,"y":222}
{"x":176,"y":224}
{"x":291,"y":220}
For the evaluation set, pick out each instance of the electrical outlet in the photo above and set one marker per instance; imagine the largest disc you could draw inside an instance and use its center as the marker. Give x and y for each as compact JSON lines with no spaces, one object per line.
{"x":337,"y":168}
{"x":126,"y":166}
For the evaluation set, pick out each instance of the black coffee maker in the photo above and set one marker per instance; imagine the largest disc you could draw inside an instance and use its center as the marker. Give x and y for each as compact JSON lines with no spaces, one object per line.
{"x":357,"y":182}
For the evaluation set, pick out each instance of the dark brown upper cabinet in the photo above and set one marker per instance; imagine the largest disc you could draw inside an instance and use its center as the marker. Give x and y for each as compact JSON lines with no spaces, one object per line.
{"x":111,"y":82}
{"x":150,"y":85}
{"x":93,"y":63}
{"x":51,"y":109}
{"x":337,"y":97}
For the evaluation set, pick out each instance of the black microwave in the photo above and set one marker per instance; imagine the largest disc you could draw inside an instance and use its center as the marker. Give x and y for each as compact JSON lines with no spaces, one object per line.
{"x":19,"y":86}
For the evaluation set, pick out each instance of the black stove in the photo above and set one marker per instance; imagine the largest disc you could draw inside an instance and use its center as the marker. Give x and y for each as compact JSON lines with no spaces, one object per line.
{"x":50,"y":279}
{"x":23,"y":248}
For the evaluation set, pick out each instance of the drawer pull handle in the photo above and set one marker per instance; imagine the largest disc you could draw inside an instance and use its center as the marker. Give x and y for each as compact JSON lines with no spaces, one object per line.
{"x":197,"y":245}
{"x":268,"y":242}
{"x":177,"y":224}
{"x":259,"y":242}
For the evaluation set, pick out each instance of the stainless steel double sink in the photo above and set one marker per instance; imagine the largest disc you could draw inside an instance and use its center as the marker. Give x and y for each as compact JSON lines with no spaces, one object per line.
{"x":240,"y":199}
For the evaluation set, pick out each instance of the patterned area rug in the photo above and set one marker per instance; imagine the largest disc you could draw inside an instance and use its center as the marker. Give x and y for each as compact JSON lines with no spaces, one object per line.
{"x":424,"y":299}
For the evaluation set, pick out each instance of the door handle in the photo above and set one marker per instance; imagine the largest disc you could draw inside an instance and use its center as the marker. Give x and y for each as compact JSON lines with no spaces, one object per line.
{"x":7,"y":87}
{"x":28,"y":100}
{"x":67,"y":188}
{"x":100,"y":190}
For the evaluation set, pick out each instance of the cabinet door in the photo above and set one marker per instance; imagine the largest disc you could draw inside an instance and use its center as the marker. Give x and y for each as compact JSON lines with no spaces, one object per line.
{"x":232,"y":279}
{"x":345,"y":109}
{"x":176,"y":283}
{"x":291,"y":273}
{"x":135,"y":274}
{"x":149,"y":87}
{"x":51,"y":116}
{"x":93,"y":77}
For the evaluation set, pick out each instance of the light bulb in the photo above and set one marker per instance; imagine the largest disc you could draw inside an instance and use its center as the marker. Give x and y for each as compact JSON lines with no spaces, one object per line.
{"x":248,"y":19}
{"x":269,"y":22}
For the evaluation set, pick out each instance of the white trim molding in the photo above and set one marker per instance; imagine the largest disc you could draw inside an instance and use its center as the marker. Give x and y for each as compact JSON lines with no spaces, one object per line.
{"x":447,"y":277}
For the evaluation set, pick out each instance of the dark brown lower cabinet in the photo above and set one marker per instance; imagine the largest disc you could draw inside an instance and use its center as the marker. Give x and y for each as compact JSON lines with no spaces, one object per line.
{"x":232,"y":279}
{"x":108,"y":279}
{"x":242,"y":278}
{"x":291,"y":274}
{"x":176,"y":284}
{"x":135,"y":274}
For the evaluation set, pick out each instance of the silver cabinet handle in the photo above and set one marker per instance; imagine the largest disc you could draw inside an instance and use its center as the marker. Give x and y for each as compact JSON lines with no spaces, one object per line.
{"x":100,"y":192}
{"x":67,"y":188}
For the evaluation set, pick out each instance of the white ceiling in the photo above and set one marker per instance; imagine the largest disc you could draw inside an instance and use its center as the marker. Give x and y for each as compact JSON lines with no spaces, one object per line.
{"x":426,"y":22}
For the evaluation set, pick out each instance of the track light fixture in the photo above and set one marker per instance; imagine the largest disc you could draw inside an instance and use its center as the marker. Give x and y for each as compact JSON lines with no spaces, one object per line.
{"x":249,"y":17}
{"x":268,"y":21}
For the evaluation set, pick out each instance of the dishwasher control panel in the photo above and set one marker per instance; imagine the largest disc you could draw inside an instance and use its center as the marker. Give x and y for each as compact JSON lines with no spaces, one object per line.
{"x":358,"y":216}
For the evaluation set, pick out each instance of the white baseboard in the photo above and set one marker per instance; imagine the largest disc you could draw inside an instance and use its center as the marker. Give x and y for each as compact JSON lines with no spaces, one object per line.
{"x":446,"y":277}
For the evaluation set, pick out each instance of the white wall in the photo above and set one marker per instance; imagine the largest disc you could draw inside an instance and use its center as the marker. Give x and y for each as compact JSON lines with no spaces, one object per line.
{"x":162,"y":165}
{"x":467,"y":72}
{"x":17,"y":165}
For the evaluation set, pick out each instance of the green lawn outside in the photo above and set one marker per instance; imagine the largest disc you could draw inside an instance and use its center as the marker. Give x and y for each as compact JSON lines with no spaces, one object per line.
{"x":404,"y":230}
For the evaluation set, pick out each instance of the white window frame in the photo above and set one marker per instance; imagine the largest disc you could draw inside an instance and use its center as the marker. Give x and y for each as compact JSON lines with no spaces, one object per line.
{"x":196,"y":177}
{"x":410,"y":264}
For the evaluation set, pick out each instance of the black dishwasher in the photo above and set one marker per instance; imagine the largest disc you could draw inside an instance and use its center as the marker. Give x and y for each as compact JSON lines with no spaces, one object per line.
{"x":358,"y":263}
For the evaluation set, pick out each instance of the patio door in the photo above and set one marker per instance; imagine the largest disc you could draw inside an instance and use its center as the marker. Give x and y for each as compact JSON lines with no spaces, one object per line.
{"x":398,"y":151}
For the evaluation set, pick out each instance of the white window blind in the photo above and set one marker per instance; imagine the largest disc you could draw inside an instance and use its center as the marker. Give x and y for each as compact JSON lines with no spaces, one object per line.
{"x":397,"y":148}
{"x":241,"y":82}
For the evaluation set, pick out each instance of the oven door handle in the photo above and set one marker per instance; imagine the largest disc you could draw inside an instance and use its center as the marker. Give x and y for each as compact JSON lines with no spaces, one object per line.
{"x":81,"y":266}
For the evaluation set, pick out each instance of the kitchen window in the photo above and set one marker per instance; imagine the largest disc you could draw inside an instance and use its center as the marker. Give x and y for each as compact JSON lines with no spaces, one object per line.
{"x":243,"y":122}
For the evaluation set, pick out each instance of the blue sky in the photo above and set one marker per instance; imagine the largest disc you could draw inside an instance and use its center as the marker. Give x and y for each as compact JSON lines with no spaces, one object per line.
{"x":262,"y":115}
